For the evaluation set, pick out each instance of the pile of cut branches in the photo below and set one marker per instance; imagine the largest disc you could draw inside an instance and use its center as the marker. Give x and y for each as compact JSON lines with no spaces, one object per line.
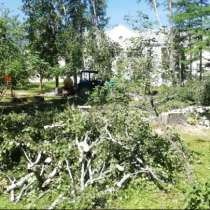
{"x":83,"y":150}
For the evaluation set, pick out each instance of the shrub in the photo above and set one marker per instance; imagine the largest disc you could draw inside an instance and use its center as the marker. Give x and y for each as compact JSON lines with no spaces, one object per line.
{"x":194,"y":92}
{"x":205,"y":97}
{"x":113,"y":91}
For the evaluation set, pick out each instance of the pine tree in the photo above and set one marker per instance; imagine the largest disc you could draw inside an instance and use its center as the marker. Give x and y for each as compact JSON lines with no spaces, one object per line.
{"x":191,"y":20}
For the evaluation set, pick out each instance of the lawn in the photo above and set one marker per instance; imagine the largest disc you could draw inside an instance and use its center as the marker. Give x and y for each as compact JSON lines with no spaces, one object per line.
{"x":31,"y":89}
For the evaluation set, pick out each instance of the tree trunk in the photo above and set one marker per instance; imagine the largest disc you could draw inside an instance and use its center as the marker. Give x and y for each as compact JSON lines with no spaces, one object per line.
{"x":201,"y":64}
{"x":75,"y":78}
{"x":190,"y":45}
{"x":201,"y":50}
{"x":56,"y":81}
{"x":11,"y":91}
{"x":41,"y":82}
{"x":95,"y":18}
{"x":172,"y":65}
{"x":182,"y":68}
{"x":154,"y":3}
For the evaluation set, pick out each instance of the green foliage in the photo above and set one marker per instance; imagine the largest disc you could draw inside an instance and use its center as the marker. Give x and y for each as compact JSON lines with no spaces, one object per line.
{"x":192,"y":119}
{"x":114,"y":91}
{"x":100,"y":53}
{"x":205,"y":97}
{"x":193,"y":92}
{"x":12,"y":61}
{"x":191,"y":22}
{"x":199,"y":196}
{"x":59,"y":136}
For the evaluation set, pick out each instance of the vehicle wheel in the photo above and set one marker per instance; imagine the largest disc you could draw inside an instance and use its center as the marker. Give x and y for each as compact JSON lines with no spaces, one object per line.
{"x":83,"y":92}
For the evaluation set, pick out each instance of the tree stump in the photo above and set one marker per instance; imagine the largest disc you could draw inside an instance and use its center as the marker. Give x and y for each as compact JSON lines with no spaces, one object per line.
{"x":169,"y":118}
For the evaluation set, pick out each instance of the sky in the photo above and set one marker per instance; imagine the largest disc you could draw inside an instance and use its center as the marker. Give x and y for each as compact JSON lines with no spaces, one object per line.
{"x":116,"y":10}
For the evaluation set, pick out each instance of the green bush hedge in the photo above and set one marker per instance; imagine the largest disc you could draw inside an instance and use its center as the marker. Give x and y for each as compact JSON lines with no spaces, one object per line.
{"x":194,"y":92}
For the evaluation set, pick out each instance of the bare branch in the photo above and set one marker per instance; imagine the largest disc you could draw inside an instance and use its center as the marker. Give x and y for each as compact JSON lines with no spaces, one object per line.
{"x":10,"y":179}
{"x":29,"y":160}
{"x":82,"y":177}
{"x":123,"y":180}
{"x":20,"y":183}
{"x":113,"y":140}
{"x":58,"y":200}
{"x":50,"y":177}
{"x":22,"y":192}
{"x":68,"y":167}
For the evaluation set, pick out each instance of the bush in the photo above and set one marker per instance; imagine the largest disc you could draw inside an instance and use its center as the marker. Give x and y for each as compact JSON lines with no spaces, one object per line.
{"x":205,"y":98}
{"x":113,"y":91}
{"x":194,"y":92}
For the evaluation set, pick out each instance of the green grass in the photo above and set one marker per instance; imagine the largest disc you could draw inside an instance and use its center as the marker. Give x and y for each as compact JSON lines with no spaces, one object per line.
{"x":199,"y":144}
{"x":6,"y":204}
{"x":30,"y":90}
{"x":34,"y":89}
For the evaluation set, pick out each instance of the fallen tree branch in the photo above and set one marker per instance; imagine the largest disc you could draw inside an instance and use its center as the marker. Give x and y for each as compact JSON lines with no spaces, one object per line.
{"x":113,"y":140}
{"x":71,"y":176}
{"x":100,"y":177}
{"x":57,"y":201}
{"x":23,"y":190}
{"x":32,"y":164}
{"x":12,"y":182}
{"x":20,"y":183}
{"x":123,"y":180}
{"x":82,"y":177}
{"x":50,"y":177}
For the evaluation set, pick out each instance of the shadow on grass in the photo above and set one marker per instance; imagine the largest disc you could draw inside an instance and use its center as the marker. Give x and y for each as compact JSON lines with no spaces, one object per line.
{"x":47,"y":105}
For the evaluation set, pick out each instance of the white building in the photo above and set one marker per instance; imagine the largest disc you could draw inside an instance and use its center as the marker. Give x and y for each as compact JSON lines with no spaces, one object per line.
{"x":121,"y":34}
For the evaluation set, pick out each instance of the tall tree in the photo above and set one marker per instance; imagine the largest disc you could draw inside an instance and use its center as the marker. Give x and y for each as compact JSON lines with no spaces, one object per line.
{"x":98,"y":13}
{"x":81,"y":16}
{"x":72,"y":36}
{"x":192,"y":19}
{"x":12,"y":45}
{"x":44,"y":21}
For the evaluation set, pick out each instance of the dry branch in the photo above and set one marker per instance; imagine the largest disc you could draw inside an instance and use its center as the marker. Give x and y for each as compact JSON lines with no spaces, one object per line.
{"x":68,"y":167}
{"x":20,"y":183}
{"x":58,"y":200}
{"x":50,"y":177}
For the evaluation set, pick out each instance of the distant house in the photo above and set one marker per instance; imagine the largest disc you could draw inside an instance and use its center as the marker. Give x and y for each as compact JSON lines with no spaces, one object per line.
{"x":122,"y":35}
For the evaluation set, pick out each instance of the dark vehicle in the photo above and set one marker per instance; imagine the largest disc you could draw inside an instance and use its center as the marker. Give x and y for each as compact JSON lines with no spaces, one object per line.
{"x":88,"y":81}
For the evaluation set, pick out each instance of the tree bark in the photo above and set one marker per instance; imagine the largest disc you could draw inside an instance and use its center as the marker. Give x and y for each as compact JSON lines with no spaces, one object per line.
{"x":75,"y":79}
{"x":201,"y":64}
{"x":154,"y":3}
{"x":190,"y":45}
{"x":56,"y":81}
{"x":41,"y":82}
{"x":172,"y":65}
